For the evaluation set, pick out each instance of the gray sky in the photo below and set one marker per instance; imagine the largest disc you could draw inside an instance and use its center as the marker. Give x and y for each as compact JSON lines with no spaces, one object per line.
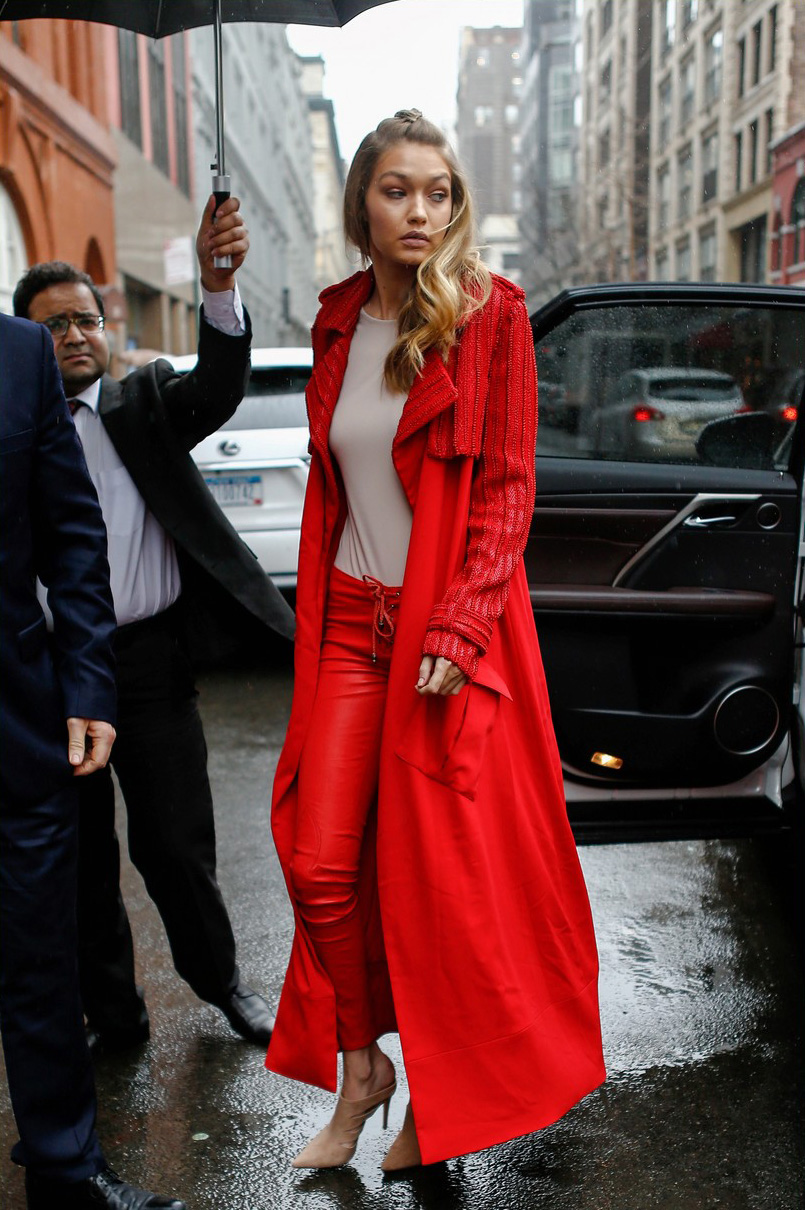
{"x":397,"y":56}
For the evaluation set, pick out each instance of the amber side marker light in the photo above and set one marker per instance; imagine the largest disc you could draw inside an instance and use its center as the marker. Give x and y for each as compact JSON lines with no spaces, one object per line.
{"x":606,"y":761}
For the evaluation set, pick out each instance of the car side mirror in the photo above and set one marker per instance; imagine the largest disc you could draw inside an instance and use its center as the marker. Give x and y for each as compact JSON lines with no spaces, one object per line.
{"x":744,"y":441}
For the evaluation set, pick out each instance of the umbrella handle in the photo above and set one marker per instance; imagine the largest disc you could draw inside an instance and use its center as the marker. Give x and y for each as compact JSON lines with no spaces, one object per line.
{"x":221,"y":191}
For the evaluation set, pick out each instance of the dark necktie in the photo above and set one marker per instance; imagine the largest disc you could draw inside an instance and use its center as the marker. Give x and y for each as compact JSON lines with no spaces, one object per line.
{"x":74,"y":405}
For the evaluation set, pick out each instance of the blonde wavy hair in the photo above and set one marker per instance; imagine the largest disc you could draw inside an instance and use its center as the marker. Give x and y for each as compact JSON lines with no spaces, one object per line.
{"x":452,"y":283}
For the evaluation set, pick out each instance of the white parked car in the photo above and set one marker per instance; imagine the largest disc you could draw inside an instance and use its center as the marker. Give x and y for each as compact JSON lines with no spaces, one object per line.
{"x":664,"y":408}
{"x":256,"y":464}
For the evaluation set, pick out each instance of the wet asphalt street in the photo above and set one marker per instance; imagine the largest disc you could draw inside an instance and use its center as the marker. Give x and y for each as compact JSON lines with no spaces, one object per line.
{"x":701,"y":992}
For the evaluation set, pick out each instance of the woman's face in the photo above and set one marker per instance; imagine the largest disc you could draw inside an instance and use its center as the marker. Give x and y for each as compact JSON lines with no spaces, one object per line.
{"x":408,"y":205}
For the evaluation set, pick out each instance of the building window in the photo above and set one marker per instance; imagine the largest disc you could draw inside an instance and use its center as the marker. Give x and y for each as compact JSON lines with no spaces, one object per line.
{"x":739,"y":154}
{"x":14,"y":260}
{"x":603,"y":150}
{"x":606,"y":17}
{"x":690,"y":11}
{"x":713,"y":55}
{"x":665,"y":123}
{"x":687,"y":90}
{"x":684,"y":171}
{"x":663,"y":198}
{"x":753,"y":250}
{"x":159,"y":109}
{"x":661,"y":265}
{"x":756,"y":46}
{"x":772,"y":38}
{"x":753,"y":152}
{"x":767,"y":167}
{"x":560,"y":102}
{"x":130,"y":120}
{"x":683,"y":261}
{"x":707,"y":255}
{"x":560,"y":165}
{"x":709,"y":166}
{"x":178,"y":65}
{"x":484,"y":114}
{"x":741,"y":66}
{"x":669,"y":25}
{"x":606,"y":81}
{"x":798,"y":220}
{"x":776,"y":241}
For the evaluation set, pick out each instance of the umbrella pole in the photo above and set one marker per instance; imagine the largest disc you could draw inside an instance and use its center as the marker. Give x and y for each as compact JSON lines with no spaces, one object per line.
{"x":220,"y":181}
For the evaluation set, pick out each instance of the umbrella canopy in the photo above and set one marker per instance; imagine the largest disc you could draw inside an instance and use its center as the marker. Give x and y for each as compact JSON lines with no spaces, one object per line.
{"x":159,"y":18}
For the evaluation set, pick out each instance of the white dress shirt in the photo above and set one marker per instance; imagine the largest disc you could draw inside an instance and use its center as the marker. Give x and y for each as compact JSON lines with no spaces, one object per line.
{"x":144,"y":570}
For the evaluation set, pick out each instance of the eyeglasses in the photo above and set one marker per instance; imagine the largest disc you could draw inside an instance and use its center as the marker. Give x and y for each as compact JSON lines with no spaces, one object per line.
{"x":58,"y":325}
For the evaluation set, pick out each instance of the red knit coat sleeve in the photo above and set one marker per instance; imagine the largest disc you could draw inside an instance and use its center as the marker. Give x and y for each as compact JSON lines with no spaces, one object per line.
{"x":502,"y":501}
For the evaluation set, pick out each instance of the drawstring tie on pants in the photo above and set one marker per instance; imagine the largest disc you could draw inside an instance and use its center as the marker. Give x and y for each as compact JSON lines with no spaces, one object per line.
{"x":385,"y":600}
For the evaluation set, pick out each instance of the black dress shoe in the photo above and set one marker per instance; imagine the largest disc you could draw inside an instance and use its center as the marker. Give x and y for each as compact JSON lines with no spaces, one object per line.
{"x":249,"y":1015}
{"x":104,"y":1189}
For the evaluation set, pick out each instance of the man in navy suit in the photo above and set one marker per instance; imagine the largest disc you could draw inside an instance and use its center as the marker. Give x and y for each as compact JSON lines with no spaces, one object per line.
{"x":177,"y":566}
{"x":57,"y":702}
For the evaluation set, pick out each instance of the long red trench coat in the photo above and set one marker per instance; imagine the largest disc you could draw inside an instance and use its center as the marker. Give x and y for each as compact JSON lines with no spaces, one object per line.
{"x":479,"y":934}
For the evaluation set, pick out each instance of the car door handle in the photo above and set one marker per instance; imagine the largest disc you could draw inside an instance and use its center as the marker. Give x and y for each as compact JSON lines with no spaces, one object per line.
{"x":708,"y":522}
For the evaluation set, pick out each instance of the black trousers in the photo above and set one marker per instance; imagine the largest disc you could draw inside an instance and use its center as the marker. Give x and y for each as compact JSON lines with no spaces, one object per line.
{"x":160,"y":758}
{"x":48,"y":1064}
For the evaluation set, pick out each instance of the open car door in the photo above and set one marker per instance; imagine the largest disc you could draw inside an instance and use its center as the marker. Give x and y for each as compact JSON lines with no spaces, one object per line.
{"x":665,"y":555}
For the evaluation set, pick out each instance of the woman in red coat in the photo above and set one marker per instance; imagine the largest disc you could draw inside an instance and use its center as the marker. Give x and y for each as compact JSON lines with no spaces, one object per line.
{"x":418,"y":809}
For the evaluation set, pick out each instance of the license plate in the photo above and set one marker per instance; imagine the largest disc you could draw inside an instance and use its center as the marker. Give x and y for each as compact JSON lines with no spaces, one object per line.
{"x":231,"y":491}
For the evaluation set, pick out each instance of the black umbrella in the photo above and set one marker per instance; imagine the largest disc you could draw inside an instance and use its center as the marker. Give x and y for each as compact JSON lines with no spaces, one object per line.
{"x":158,"y":18}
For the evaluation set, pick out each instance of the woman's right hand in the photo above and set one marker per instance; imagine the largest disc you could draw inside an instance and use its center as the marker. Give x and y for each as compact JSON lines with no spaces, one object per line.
{"x":439,"y":676}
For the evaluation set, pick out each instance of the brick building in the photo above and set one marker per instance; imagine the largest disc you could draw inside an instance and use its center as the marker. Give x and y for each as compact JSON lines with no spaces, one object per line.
{"x":57,"y":155}
{"x":787,"y":244}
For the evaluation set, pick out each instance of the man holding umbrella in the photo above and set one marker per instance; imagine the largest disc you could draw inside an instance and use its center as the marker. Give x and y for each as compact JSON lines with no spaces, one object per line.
{"x":176,"y":565}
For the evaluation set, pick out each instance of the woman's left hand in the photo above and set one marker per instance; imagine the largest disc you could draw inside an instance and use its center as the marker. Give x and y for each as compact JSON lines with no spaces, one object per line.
{"x":438,"y":675}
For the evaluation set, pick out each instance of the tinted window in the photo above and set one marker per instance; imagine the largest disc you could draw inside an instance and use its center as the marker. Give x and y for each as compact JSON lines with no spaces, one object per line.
{"x":275,"y":399}
{"x":645,"y":382}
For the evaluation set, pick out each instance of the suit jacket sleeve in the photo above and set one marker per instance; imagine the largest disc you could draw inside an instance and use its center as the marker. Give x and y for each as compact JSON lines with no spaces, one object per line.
{"x":502,"y":502}
{"x":198,"y":403}
{"x":70,"y":555}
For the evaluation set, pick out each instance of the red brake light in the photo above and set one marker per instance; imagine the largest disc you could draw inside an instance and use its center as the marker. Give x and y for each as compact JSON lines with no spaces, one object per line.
{"x":789,"y":413}
{"x":643,"y":412}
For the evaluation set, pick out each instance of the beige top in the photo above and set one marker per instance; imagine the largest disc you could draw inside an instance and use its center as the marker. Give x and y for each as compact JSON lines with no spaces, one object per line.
{"x":378,"y":526}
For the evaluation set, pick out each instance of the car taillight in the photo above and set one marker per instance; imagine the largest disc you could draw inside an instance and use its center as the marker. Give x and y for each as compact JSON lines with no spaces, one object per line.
{"x":643,"y":412}
{"x":789,"y":413}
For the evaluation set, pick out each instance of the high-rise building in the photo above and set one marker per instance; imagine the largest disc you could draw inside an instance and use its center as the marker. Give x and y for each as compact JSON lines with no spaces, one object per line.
{"x":548,"y":147}
{"x":717,"y":89}
{"x":269,"y":159}
{"x":489,"y":87}
{"x":615,"y":143}
{"x":148,"y":90}
{"x":332,"y":264}
{"x":682,"y":103}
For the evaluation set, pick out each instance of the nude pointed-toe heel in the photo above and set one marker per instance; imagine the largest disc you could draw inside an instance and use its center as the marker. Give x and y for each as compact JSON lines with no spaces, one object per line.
{"x":335,"y":1144}
{"x":404,"y":1151}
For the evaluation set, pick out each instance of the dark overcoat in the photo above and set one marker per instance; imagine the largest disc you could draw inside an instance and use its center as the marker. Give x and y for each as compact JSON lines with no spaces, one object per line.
{"x":154,"y":417}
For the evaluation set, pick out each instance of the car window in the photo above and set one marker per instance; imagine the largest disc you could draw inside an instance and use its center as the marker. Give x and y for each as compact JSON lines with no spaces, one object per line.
{"x":275,"y":399}
{"x":705,"y":384}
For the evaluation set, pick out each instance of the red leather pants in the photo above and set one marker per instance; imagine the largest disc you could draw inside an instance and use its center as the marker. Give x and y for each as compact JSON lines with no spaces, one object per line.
{"x":338,"y":777}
